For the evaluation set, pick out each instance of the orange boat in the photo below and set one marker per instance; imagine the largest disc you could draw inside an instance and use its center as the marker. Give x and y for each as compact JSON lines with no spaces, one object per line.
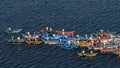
{"x":85,"y":43}
{"x":63,"y":32}
{"x":107,"y":50}
{"x":71,"y":33}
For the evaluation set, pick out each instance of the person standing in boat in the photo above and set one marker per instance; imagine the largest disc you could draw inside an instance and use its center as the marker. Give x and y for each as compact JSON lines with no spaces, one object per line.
{"x":18,"y":38}
{"x":9,"y":28}
{"x":83,"y":52}
{"x":91,"y":52}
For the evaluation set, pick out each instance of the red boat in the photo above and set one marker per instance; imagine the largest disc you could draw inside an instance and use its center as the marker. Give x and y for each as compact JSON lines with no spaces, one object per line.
{"x":71,"y":33}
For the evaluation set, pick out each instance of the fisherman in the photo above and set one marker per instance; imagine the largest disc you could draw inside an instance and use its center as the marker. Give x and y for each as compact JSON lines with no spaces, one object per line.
{"x":34,"y":34}
{"x":69,"y":42}
{"x":18,"y":38}
{"x":91,"y":52}
{"x":83,"y":52}
{"x":9,"y":28}
{"x":28,"y":33}
{"x":46,"y":29}
{"x":86,"y":36}
{"x":50,"y":29}
{"x":41,"y":31}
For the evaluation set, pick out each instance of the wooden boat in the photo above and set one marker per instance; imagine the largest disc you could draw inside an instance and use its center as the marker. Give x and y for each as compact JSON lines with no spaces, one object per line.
{"x":68,"y":33}
{"x":107,"y":50}
{"x":85,"y":44}
{"x":12,"y":31}
{"x":98,"y":47}
{"x":15,"y":41}
{"x":50,"y":42}
{"x":87,"y":55}
{"x":34,"y":42}
{"x":104,"y":46}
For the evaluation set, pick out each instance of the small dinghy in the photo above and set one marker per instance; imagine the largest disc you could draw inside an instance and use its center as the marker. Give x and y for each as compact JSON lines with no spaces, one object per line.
{"x":15,"y":41}
{"x":33,"y":42}
{"x":12,"y":31}
{"x":87,"y":55}
{"x":52,"y":40}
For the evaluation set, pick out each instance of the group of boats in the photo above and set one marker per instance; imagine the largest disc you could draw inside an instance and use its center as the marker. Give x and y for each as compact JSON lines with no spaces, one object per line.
{"x":102,"y":42}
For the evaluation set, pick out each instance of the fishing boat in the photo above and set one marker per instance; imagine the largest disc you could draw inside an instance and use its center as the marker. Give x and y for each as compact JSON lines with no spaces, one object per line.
{"x":85,"y":43}
{"x":34,"y":42}
{"x":70,"y":45}
{"x":50,"y":40}
{"x":15,"y":41}
{"x":87,"y":55}
{"x":48,"y":30}
{"x":12,"y":31}
{"x":107,"y":50}
{"x":98,"y":47}
{"x":63,"y":32}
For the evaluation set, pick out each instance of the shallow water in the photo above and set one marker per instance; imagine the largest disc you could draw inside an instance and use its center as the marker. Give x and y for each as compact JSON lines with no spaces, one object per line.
{"x":82,"y":16}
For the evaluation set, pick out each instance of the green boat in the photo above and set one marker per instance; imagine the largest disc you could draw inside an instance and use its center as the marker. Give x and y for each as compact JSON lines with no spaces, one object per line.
{"x":34,"y":42}
{"x":16,"y":41}
{"x":87,"y":55}
{"x":12,"y":31}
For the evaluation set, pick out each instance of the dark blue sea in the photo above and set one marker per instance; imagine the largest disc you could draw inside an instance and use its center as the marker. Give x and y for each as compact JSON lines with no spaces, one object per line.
{"x":82,"y":16}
